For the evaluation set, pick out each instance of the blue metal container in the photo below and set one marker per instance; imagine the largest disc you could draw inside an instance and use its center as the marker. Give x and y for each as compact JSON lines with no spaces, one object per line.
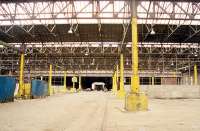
{"x":39,"y":88}
{"x":7,"y":88}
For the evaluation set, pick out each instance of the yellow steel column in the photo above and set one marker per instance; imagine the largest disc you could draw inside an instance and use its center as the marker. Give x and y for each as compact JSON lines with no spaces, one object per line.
{"x":21,"y":77}
{"x":135,"y":100}
{"x":74,"y":80}
{"x":114,"y":88}
{"x":152,"y":80}
{"x":121,"y":93}
{"x":195,"y":75}
{"x":79,"y":83}
{"x":131,"y":82}
{"x":73,"y":89}
{"x":65,"y":80}
{"x":135,"y":85}
{"x":113,"y":82}
{"x":65,"y":86}
{"x":50,"y":90}
{"x":117,"y":76}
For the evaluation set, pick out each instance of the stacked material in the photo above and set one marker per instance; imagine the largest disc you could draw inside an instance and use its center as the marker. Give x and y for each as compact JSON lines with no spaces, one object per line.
{"x":39,"y":88}
{"x":7,"y":88}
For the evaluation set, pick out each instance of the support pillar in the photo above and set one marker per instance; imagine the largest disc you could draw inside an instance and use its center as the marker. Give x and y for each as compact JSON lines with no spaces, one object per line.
{"x":41,"y":78}
{"x":21,"y":77}
{"x":114,"y":83}
{"x":65,"y":80}
{"x":64,"y":90}
{"x":121,"y":93}
{"x":50,"y":90}
{"x":73,"y":89}
{"x":117,"y":77}
{"x":135,"y":100}
{"x":135,"y":85}
{"x":152,"y":80}
{"x":74,"y":80}
{"x":79,"y":84}
{"x":195,"y":75}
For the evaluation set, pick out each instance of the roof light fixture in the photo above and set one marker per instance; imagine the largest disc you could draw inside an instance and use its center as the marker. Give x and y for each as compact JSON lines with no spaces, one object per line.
{"x":70,"y":31}
{"x":195,"y":54}
{"x":152,"y":31}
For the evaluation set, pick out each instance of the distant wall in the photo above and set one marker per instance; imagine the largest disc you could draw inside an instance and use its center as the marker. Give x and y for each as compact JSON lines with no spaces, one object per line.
{"x":169,"y":91}
{"x":169,"y":81}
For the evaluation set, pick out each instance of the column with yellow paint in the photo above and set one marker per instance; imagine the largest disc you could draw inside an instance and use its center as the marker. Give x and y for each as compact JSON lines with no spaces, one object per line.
{"x":79,"y":84}
{"x":152,"y":80}
{"x":64,"y":86}
{"x":135,"y":100}
{"x":117,"y":76}
{"x":121,"y":93}
{"x":135,"y":76}
{"x":195,"y":75}
{"x":21,"y":77}
{"x":114,"y":82}
{"x":50,"y":89}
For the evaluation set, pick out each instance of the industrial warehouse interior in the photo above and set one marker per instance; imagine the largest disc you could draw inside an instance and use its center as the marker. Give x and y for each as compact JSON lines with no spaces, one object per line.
{"x":99,"y":65}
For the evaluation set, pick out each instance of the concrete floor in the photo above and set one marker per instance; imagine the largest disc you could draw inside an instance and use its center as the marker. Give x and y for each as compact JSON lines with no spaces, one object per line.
{"x":98,"y":111}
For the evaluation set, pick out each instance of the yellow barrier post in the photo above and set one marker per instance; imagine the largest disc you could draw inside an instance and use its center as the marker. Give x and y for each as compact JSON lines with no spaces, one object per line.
{"x":50,"y":90}
{"x":21,"y":77}
{"x":121,"y":93}
{"x":135,"y":100}
{"x":195,"y":75}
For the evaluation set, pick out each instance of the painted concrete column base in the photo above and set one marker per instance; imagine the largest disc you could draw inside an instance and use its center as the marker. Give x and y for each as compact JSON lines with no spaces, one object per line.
{"x":72,"y":90}
{"x":79,"y":89}
{"x":121,"y":94}
{"x":136,"y":102}
{"x":20,"y":93}
{"x":63,"y":90}
{"x":114,"y":93}
{"x":51,"y":91}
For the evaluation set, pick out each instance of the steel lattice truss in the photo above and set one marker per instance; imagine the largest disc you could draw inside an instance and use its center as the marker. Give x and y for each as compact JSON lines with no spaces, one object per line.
{"x":107,"y":11}
{"x":101,"y":31}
